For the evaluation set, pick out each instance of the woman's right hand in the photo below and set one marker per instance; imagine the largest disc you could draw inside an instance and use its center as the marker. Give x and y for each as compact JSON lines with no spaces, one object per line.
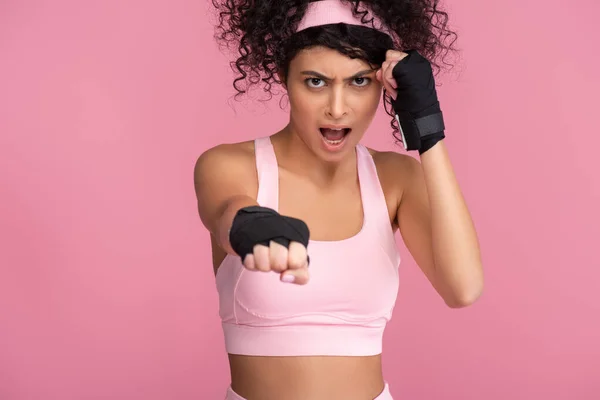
{"x":260,"y":236}
{"x":291,"y":264}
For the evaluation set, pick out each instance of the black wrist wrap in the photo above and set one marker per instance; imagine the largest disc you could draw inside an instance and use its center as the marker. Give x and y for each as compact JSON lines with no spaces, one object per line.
{"x":417,"y":108}
{"x":259,"y":225}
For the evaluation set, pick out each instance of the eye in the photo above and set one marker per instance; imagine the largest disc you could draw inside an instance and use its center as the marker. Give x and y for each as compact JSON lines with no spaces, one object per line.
{"x":314,"y":82}
{"x":362,"y":81}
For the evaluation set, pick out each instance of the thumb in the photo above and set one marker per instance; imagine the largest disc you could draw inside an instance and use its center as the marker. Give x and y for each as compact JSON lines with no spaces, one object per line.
{"x":298,"y":276}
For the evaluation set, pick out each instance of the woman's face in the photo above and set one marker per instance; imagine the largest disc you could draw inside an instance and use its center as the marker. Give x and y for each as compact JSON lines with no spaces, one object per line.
{"x":333,"y":99}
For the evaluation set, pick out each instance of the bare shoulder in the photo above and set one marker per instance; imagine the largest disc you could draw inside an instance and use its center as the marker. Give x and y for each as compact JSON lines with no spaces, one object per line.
{"x":227,"y":163}
{"x":395,"y":171}
{"x":226,"y":156}
{"x":392,"y":159}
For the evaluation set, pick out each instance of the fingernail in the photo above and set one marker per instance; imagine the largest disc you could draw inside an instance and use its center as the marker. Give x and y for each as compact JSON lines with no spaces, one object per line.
{"x":288,"y":278}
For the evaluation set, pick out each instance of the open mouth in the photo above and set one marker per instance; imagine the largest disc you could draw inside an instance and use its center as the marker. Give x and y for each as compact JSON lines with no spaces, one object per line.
{"x":333,"y":136}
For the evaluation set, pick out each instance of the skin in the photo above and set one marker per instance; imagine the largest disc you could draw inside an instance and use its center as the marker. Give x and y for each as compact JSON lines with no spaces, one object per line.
{"x":423,"y":201}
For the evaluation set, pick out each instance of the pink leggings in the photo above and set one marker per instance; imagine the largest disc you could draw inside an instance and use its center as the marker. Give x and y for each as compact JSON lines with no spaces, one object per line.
{"x":385,"y":395}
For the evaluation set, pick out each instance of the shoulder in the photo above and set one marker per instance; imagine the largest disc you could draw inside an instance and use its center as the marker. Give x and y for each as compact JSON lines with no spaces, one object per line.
{"x":226,"y":156}
{"x":387,"y":160}
{"x":395,"y":170}
{"x":230,"y":165}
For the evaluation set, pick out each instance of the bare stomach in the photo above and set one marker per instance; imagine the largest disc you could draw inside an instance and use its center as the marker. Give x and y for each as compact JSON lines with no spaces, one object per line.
{"x":315,"y":378}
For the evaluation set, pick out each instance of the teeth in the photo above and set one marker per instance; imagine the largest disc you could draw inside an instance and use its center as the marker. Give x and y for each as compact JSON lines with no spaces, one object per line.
{"x":334,"y":141}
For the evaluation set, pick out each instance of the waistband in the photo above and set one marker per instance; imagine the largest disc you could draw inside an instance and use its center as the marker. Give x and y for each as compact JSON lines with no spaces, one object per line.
{"x":303,"y":340}
{"x":384,"y":395}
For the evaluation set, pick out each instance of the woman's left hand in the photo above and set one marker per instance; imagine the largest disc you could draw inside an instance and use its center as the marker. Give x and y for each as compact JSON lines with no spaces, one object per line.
{"x":384,"y":74}
{"x":409,"y":75}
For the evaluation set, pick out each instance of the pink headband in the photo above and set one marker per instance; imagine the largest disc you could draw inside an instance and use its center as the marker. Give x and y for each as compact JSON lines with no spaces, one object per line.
{"x":334,"y":12}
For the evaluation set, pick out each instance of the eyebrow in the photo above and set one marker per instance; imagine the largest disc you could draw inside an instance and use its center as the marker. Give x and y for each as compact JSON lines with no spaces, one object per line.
{"x":321,"y":76}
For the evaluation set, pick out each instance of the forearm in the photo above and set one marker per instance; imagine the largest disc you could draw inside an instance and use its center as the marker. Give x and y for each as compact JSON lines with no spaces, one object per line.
{"x":454,"y":239}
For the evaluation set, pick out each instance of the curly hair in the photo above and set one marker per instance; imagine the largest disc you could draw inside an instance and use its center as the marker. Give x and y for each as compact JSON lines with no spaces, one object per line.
{"x":263,"y":33}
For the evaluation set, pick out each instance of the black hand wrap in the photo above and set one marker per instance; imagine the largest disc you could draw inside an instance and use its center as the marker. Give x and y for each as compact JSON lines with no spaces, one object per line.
{"x":417,"y":107}
{"x":259,"y":225}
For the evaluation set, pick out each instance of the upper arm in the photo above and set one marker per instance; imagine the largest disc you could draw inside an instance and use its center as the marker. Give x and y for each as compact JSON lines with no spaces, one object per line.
{"x":414,"y":218}
{"x":223,"y":177}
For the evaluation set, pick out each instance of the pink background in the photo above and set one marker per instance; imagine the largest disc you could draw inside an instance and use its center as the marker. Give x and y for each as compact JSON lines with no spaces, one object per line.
{"x":106,"y":288}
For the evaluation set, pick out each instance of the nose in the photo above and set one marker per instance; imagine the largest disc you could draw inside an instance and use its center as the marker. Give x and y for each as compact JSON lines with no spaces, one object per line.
{"x":337,"y":107}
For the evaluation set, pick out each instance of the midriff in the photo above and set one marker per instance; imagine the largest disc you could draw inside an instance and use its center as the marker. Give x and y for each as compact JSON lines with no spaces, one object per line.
{"x":306,"y":377}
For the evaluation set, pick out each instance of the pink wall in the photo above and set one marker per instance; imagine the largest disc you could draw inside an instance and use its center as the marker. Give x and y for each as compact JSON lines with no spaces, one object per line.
{"x":106,"y":291}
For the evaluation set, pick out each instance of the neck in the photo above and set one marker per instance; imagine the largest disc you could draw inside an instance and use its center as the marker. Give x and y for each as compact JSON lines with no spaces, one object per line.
{"x":294,"y":155}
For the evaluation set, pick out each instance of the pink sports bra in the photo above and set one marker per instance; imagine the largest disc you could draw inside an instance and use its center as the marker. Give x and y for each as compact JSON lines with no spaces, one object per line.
{"x":342,"y":310}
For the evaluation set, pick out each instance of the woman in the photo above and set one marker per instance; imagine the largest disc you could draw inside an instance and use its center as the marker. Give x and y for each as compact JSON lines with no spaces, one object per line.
{"x":302,"y":221}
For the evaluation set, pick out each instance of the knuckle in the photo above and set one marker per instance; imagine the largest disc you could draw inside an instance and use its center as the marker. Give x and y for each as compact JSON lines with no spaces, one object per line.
{"x":261,"y":266}
{"x":297,"y":254}
{"x":259,"y":248}
{"x":278,"y":266}
{"x":277,"y":258}
{"x":261,"y":262}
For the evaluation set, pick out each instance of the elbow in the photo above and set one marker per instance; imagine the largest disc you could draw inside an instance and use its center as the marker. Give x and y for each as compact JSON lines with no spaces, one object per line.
{"x":462,"y":302}
{"x":465,"y":297}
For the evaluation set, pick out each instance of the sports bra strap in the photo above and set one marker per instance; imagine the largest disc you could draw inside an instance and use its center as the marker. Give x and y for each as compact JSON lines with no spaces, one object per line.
{"x":268,"y":173}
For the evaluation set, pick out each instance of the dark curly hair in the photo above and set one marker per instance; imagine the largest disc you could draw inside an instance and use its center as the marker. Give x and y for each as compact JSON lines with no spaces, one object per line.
{"x":263,"y":34}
